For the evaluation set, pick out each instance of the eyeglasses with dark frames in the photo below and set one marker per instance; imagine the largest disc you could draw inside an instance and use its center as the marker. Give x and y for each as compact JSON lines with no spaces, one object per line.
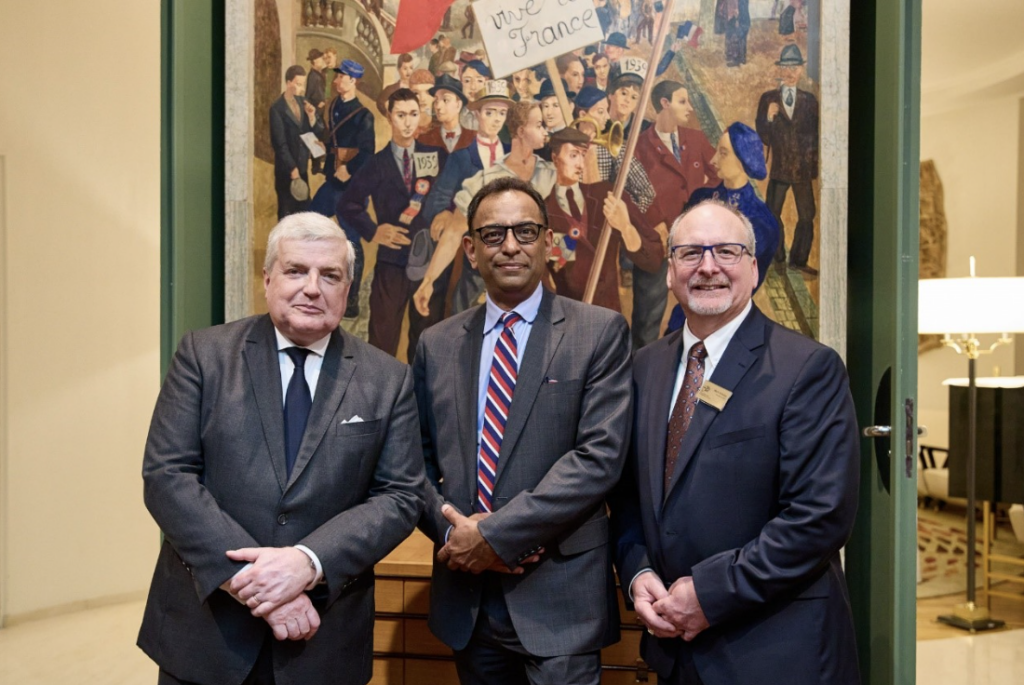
{"x":494,"y":234}
{"x":724,"y":254}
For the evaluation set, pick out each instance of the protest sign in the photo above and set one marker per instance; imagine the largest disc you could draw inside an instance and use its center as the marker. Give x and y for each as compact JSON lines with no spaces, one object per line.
{"x":523,"y":33}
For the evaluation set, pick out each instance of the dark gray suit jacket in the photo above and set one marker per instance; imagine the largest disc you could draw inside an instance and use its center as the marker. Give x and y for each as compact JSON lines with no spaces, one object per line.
{"x":214,"y":473}
{"x":764,"y":497}
{"x":563,"y":450}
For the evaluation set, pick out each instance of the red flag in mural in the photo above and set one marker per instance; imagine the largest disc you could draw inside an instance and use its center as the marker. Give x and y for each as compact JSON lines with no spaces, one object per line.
{"x":416,"y":23}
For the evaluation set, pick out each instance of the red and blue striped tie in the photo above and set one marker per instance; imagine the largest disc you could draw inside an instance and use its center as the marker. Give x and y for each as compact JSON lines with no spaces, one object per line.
{"x":502,"y":383}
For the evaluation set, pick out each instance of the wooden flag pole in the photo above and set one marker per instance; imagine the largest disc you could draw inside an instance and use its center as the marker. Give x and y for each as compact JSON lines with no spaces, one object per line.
{"x":634,"y":133}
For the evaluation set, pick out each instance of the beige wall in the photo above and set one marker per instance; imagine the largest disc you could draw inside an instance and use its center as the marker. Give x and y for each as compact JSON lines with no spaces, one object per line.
{"x":975,"y":149}
{"x":79,"y":133}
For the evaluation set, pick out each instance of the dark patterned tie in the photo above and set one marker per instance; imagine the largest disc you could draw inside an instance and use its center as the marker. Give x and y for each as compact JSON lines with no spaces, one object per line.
{"x":682,"y":412}
{"x":297,"y":403}
{"x":500,"y":386}
{"x":789,"y":98}
{"x":407,"y":170}
{"x":675,"y":147}
{"x":574,"y":210}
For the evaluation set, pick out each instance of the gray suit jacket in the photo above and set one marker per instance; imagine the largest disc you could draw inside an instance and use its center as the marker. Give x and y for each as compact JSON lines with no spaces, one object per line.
{"x":563,"y":450}
{"x":215,"y":479}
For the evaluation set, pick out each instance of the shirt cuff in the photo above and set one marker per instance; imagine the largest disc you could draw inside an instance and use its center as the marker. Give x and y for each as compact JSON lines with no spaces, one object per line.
{"x":638,"y":574}
{"x":226,"y":585}
{"x":315,"y":562}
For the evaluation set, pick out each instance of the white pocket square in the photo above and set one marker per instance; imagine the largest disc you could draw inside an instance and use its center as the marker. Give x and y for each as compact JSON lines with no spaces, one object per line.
{"x":355,"y":419}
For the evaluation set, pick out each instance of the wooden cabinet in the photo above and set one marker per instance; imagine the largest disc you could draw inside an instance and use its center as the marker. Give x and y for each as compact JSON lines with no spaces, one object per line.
{"x":405,"y":652}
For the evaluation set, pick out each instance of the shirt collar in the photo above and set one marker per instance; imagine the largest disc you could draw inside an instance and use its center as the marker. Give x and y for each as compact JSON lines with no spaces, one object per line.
{"x":527,"y":309}
{"x":397,"y":150}
{"x":577,"y":192}
{"x":318,"y":348}
{"x":715,"y":343}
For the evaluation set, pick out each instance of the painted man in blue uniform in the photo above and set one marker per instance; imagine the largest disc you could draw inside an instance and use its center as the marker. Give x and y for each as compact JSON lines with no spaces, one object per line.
{"x":350,"y":143}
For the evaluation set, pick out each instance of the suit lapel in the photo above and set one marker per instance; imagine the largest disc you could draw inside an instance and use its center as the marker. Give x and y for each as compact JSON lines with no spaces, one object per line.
{"x":739,"y":356}
{"x":335,"y":374}
{"x":264,"y":370}
{"x":668,"y":160}
{"x":663,"y":375}
{"x":545,"y":336}
{"x":468,"y":386}
{"x":392,"y":172}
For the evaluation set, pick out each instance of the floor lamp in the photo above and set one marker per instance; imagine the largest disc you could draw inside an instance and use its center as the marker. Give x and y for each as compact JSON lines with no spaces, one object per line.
{"x":961,"y":309}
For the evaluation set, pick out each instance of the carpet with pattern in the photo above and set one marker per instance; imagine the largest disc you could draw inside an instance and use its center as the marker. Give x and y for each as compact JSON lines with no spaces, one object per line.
{"x":942,"y":548}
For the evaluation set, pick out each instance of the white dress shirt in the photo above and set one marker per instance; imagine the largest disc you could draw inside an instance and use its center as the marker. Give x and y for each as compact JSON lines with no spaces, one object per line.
{"x":715,"y":345}
{"x":563,"y":199}
{"x":787,"y":92}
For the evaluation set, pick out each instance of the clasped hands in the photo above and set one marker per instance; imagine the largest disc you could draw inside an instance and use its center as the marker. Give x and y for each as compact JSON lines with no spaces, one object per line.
{"x":273,"y":588}
{"x":467,"y":550}
{"x":668,"y":612}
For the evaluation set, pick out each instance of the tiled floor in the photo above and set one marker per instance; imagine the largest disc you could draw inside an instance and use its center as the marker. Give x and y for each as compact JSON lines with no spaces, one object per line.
{"x":97,"y":647}
{"x":984,"y":659}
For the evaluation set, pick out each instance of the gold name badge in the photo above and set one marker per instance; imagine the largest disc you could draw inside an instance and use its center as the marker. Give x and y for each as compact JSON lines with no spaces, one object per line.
{"x":713,"y":395}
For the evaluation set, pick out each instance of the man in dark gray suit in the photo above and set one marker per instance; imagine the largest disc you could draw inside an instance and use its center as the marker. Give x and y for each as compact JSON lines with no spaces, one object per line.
{"x":741,"y":485}
{"x":524,"y":411}
{"x":291,"y":116}
{"x":282,"y":463}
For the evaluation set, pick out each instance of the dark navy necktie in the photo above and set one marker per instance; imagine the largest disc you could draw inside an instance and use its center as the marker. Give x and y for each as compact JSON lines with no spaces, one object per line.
{"x":297,"y":403}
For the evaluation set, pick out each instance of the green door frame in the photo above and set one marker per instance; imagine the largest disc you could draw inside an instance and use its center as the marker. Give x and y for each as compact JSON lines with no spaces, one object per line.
{"x":885,"y":59}
{"x":192,"y":169}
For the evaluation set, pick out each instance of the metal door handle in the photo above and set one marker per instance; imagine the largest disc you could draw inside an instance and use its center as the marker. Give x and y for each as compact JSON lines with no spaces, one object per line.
{"x":886,"y":431}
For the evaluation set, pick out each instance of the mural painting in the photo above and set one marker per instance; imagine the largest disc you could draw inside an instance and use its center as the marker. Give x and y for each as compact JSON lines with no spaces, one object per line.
{"x":387,"y":118}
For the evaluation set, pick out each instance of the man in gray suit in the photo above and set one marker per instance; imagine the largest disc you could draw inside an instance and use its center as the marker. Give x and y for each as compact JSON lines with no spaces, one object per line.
{"x":525,"y":408}
{"x":282,"y":463}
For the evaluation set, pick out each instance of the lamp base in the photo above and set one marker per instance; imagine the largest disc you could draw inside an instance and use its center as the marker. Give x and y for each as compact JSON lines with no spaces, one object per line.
{"x":971,"y":617}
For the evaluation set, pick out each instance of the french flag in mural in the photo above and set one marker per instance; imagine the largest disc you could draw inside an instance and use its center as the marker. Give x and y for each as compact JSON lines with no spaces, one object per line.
{"x":417,"y":22}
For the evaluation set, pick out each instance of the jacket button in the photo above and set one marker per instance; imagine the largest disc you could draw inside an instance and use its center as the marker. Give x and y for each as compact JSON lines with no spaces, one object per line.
{"x":282,"y":519}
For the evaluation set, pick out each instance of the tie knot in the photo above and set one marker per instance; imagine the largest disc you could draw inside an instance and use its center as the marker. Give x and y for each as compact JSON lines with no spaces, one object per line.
{"x":449,"y":134}
{"x":297,"y":355}
{"x":509,"y":320}
{"x":698,"y":351}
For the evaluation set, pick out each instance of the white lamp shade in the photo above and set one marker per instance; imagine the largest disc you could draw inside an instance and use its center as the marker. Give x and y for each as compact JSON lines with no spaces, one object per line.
{"x":970,"y":305}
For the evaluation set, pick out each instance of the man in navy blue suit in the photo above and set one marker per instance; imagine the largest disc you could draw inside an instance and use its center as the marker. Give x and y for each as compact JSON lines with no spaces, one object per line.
{"x":741,"y":483}
{"x":398,"y":179}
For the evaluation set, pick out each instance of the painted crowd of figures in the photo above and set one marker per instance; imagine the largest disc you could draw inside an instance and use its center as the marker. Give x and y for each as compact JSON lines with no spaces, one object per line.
{"x":454,"y":127}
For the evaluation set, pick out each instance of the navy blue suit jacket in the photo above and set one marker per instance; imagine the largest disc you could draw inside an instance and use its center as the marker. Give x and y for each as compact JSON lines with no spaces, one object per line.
{"x":380,"y":179}
{"x":764,"y":496}
{"x":461,"y":165}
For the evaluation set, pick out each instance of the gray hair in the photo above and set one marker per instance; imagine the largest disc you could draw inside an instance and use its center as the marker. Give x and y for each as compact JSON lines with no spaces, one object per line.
{"x":751,"y":239}
{"x":309,"y":226}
